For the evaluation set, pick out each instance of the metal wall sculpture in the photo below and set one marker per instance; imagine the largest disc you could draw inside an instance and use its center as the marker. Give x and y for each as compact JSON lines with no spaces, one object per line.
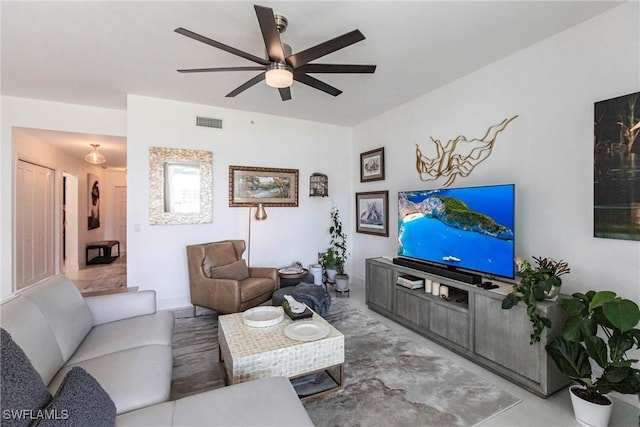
{"x":454,"y":158}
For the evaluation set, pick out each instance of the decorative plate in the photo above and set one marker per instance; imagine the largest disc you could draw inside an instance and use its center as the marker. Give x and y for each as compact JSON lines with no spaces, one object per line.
{"x":263,"y":317}
{"x":291,"y":270}
{"x":306,"y":331}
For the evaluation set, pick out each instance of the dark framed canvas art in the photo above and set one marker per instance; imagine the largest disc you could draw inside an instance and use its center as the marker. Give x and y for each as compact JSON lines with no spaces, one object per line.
{"x":616,"y":173}
{"x":93,"y":206}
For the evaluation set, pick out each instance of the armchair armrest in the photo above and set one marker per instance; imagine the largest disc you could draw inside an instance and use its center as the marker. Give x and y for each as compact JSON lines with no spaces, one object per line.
{"x":266,"y":272}
{"x":109,"y":308}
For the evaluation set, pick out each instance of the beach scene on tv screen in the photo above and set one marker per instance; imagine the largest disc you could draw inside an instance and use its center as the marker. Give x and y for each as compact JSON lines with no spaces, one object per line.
{"x":468,"y":228}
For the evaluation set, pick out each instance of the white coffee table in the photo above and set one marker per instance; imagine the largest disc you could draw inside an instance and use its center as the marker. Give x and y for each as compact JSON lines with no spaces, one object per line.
{"x":248,"y":353}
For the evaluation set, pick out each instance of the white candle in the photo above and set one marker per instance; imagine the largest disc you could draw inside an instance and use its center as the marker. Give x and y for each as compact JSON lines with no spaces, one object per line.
{"x":435,"y":288}
{"x":444,"y":291}
{"x":427,"y":285}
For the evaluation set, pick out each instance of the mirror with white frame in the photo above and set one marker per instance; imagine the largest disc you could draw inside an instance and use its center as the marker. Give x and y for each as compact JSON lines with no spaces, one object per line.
{"x":180,"y":182}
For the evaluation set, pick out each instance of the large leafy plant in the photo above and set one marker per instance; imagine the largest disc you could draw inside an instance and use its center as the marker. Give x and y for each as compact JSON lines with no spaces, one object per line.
{"x":600,"y":327}
{"x":336,"y":255}
{"x":536,"y":283}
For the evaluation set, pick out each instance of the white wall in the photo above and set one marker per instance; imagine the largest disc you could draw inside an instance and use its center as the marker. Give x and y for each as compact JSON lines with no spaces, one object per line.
{"x":546,"y":152}
{"x":156,"y":258}
{"x":30,"y":113}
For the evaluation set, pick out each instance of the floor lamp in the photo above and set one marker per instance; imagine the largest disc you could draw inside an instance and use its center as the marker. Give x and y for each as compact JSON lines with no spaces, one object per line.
{"x":260,"y":215}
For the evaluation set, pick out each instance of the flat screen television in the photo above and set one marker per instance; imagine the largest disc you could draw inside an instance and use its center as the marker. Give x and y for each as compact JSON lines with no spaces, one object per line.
{"x":459,"y":229}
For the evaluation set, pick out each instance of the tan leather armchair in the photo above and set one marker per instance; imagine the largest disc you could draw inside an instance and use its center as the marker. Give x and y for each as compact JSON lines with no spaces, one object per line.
{"x":220,"y":280}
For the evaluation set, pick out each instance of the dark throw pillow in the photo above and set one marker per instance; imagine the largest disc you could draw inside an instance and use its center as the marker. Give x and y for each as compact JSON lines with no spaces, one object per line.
{"x":22,"y":392}
{"x":235,"y":271}
{"x":80,"y":401}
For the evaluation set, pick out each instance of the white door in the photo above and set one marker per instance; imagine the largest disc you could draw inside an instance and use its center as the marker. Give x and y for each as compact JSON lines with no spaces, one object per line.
{"x":121,"y":217}
{"x":35,"y":220}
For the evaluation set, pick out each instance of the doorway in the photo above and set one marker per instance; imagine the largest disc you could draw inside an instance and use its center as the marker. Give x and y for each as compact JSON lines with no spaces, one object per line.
{"x":121,"y":217}
{"x":35,"y":224}
{"x":70,"y":223}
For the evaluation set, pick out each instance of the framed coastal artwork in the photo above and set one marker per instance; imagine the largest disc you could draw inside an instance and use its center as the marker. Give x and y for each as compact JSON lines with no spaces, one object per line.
{"x":249,"y":186}
{"x":372,"y":165}
{"x":616,"y":163}
{"x":372,"y":213}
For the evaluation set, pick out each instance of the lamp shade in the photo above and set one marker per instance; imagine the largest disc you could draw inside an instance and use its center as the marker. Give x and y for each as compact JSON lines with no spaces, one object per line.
{"x":94,"y":157}
{"x":261,"y":214}
{"x":279,"y":75}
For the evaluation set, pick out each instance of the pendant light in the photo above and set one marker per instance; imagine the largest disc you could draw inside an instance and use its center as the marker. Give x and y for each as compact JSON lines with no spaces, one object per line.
{"x":94,"y":157}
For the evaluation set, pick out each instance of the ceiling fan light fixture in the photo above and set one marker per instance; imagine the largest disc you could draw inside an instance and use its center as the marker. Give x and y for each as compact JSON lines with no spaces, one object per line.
{"x":279,"y":75}
{"x":94,"y":157}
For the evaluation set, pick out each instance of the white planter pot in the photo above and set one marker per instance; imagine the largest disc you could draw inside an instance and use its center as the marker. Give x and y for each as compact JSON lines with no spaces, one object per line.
{"x":342,"y":282}
{"x":331,"y":274}
{"x":589,"y":414}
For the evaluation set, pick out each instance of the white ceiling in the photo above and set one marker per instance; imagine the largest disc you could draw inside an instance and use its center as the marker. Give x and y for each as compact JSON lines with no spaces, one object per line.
{"x":95,"y":53}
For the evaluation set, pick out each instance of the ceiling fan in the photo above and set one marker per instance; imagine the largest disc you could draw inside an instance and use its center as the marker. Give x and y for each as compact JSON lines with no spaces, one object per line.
{"x":281,"y":67}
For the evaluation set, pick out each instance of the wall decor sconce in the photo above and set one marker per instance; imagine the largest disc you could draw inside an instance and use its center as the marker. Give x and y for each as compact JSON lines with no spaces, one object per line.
{"x":318,"y":185}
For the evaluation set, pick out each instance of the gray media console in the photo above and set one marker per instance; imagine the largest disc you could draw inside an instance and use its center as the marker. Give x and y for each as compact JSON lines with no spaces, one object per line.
{"x":475,"y":326}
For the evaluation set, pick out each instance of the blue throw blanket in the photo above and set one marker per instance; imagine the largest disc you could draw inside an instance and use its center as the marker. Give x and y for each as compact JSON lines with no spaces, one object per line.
{"x":316,"y":297}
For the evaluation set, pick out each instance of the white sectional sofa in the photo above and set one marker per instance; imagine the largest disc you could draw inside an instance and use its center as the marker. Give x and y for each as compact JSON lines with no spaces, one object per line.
{"x":123,"y":342}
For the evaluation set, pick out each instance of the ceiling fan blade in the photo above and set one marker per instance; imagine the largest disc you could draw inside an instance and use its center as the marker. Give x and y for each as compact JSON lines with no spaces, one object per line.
{"x":222,"y":46}
{"x":270,"y":33}
{"x":285,"y":93}
{"x":316,"y":84}
{"x":322,"y":49}
{"x":209,"y":70}
{"x":336,"y":68}
{"x":246,"y":85}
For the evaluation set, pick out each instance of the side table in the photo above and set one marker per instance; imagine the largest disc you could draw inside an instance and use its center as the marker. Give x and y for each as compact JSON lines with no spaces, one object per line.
{"x":292,"y":279}
{"x":104,"y":252}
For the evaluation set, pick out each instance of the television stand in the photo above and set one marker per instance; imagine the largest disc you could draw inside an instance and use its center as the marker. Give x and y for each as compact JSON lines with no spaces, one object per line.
{"x":471,"y":323}
{"x":461,"y":276}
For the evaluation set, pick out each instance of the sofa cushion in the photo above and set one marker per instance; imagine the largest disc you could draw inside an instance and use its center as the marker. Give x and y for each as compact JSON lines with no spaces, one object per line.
{"x":31,"y":331}
{"x":126,"y":334}
{"x":265,"y":402}
{"x":133,"y":378}
{"x":217,"y":254}
{"x":64,"y":308}
{"x":22,"y":387}
{"x":80,"y":401}
{"x":235,"y":271}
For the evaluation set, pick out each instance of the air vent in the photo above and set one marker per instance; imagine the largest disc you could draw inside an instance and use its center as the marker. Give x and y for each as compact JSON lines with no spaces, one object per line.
{"x":209,"y":122}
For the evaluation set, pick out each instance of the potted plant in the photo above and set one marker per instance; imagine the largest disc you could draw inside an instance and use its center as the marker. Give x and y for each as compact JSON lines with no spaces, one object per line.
{"x":600,"y":327}
{"x":536,"y":284}
{"x":335,"y":257}
{"x":330,"y":261}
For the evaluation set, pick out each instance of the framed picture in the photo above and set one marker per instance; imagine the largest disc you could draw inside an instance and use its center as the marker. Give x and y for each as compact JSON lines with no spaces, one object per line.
{"x":616,"y":139}
{"x":372,"y":213}
{"x":372,"y":165}
{"x":249,"y":186}
{"x":93,"y":207}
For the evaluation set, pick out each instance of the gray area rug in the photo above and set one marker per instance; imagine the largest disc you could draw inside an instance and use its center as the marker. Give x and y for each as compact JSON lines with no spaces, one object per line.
{"x":393,"y":380}
{"x":389,"y":380}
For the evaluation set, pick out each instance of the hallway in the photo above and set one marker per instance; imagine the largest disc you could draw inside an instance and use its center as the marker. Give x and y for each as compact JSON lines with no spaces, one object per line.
{"x":101,"y":278}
